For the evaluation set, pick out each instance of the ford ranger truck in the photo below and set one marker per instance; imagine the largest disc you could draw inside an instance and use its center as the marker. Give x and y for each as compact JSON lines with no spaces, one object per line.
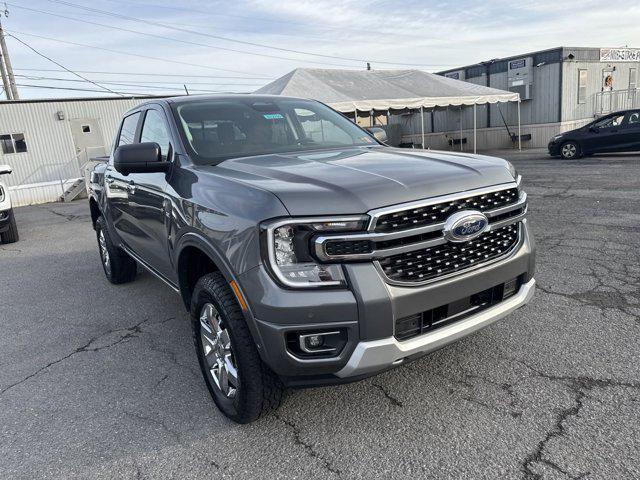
{"x":306,"y":250}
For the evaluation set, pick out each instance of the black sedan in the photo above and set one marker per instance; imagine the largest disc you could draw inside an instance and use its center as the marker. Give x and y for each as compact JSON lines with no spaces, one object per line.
{"x":617,"y":132}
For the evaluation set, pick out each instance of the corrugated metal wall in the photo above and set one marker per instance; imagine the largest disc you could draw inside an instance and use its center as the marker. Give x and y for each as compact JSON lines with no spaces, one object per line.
{"x":51,"y":154}
{"x":571,"y":109}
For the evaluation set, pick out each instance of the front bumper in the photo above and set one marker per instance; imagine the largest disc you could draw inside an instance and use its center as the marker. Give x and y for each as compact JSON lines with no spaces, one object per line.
{"x":368,"y":312}
{"x":5,"y":219}
{"x":554,"y":148}
{"x":379,"y":354}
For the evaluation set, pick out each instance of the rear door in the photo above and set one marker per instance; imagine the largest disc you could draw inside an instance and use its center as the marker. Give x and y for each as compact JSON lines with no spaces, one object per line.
{"x":147,"y":202}
{"x":631,"y":130}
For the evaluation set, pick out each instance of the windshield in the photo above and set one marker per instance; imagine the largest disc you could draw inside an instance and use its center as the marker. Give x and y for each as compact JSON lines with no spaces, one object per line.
{"x":215,"y":130}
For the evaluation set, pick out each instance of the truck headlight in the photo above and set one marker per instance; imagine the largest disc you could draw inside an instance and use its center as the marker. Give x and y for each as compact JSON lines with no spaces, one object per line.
{"x":287,"y":246}
{"x":1,"y":194}
{"x":512,"y":169}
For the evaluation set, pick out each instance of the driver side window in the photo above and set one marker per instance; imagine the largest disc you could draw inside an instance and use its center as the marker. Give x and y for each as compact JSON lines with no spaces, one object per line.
{"x":610,"y":122}
{"x":155,"y":130}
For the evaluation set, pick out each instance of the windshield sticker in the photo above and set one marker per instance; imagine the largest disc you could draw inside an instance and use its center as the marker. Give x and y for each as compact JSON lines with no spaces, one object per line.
{"x":273,"y":116}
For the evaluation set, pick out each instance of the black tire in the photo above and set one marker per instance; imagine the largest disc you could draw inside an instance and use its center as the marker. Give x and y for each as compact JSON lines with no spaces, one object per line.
{"x":259,"y":390}
{"x":570,"y":150}
{"x":118,"y":266}
{"x":11,"y":235}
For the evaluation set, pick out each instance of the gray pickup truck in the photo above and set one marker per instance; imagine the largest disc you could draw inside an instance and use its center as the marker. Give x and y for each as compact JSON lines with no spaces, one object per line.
{"x":306,"y":251}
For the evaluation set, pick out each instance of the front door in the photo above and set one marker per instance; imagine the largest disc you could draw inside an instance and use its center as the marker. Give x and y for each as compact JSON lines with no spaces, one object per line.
{"x":605,"y":135}
{"x":147,"y":202}
{"x":87,"y":138}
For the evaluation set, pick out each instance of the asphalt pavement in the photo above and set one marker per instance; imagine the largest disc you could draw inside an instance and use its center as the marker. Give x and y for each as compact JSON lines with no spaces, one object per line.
{"x":101,"y":381}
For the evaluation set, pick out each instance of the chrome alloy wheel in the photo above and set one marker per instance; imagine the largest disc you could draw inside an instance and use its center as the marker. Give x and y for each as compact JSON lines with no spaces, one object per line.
{"x":218,"y":351}
{"x":569,"y":150}
{"x":104,"y":252}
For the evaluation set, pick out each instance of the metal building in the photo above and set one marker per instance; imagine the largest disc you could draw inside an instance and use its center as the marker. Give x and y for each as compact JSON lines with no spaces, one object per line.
{"x":561,"y":89}
{"x":47,"y":142}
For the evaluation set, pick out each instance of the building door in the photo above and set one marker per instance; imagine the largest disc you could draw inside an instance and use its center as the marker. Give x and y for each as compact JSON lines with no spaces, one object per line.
{"x":607,"y":90}
{"x":87,"y":139}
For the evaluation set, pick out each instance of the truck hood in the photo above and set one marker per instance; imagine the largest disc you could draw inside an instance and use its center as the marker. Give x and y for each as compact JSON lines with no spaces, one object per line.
{"x":356,"y":180}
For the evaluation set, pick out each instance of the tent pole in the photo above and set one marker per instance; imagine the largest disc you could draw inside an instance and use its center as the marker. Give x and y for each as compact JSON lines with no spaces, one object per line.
{"x":475,"y":130}
{"x":355,"y":116}
{"x":460,"y":127}
{"x":372,"y":120}
{"x":519,"y":132}
{"x":422,"y":117}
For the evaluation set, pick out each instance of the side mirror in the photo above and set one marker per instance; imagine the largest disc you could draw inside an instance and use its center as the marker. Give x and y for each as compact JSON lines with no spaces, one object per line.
{"x":139,"y":158}
{"x":379,"y":133}
{"x":5,"y":169}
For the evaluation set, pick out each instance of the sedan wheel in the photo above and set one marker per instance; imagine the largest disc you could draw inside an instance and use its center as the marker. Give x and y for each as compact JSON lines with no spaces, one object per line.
{"x":570,"y":150}
{"x":218,"y":351}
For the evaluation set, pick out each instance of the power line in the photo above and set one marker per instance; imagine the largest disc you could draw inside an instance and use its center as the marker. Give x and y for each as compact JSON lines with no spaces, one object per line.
{"x":218,"y":37}
{"x":360,"y":31}
{"x":119,"y":52}
{"x":62,"y":66}
{"x":143,"y":74}
{"x":156,"y":87}
{"x":110,"y":82}
{"x":50,"y":87}
{"x":163,"y":37}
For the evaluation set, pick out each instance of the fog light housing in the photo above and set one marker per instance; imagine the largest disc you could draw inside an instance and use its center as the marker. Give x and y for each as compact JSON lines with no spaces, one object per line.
{"x":316,"y":343}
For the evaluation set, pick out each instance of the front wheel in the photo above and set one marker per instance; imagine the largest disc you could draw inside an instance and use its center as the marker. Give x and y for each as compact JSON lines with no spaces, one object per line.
{"x":117,"y":265}
{"x":570,"y":150}
{"x":240,"y":383}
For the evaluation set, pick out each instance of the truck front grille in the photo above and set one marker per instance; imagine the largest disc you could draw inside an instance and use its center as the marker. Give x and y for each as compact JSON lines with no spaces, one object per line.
{"x":439,"y":212}
{"x":438,"y":261}
{"x":408,"y":244}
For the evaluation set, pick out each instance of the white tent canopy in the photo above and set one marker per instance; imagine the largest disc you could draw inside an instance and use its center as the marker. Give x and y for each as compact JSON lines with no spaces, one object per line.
{"x":366,"y":90}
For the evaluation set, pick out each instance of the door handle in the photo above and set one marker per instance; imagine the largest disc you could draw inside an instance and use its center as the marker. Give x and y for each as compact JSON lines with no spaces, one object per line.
{"x":109,"y":179}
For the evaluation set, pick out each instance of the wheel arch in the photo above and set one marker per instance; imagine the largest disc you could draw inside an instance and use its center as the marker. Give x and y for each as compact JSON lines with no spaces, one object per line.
{"x":95,"y":211}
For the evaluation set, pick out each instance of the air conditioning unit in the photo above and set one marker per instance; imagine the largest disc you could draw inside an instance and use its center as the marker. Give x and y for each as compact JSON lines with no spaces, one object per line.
{"x":520,"y":77}
{"x":459,"y":75}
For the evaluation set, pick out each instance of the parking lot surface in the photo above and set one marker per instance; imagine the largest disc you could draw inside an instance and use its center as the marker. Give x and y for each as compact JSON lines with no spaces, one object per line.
{"x":101,"y":381}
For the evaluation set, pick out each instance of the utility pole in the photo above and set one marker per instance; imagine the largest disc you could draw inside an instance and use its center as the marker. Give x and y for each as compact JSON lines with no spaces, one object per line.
{"x":8,"y":80}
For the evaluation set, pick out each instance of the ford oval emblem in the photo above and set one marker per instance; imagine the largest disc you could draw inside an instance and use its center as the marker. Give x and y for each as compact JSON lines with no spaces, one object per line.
{"x":464,"y":226}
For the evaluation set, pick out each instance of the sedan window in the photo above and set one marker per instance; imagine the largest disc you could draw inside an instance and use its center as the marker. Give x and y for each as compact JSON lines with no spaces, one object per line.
{"x":610,"y":122}
{"x":634,"y":118}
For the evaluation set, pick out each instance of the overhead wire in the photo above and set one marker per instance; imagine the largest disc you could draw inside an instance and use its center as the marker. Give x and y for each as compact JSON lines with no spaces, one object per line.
{"x":228,"y":39}
{"x":60,"y":65}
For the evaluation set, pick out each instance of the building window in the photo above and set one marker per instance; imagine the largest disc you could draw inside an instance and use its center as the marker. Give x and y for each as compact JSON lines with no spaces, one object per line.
{"x":582,"y":86}
{"x":86,"y":129}
{"x":13,"y":143}
{"x":633,"y":78}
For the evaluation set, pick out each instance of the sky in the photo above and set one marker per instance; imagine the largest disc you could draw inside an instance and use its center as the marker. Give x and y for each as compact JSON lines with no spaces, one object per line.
{"x":159,"y":46}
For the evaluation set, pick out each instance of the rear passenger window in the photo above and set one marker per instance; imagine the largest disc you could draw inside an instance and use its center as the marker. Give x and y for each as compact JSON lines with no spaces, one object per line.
{"x":634,"y":118}
{"x":128,"y":130}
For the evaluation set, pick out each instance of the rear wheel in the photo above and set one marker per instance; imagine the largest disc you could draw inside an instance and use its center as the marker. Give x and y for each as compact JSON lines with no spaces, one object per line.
{"x":117,"y":265}
{"x":240,"y":383}
{"x":570,"y":150}
{"x":11,"y":235}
